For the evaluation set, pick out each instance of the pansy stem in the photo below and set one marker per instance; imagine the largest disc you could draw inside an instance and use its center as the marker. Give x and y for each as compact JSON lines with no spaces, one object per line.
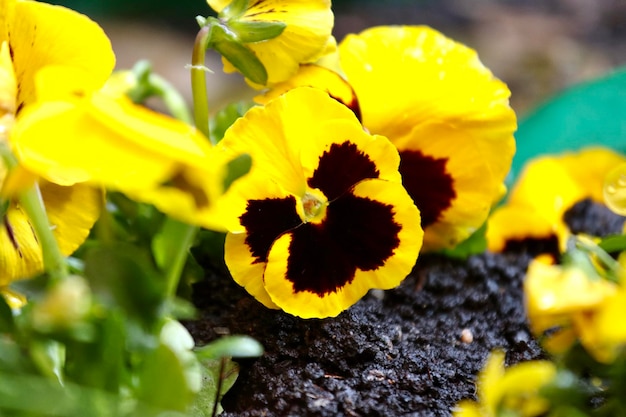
{"x":53,"y":260}
{"x":174,"y":241}
{"x":175,"y":236}
{"x":198,"y":81}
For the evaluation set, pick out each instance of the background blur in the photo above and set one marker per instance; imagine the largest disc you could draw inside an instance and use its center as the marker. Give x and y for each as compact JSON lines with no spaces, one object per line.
{"x":537,"y":46}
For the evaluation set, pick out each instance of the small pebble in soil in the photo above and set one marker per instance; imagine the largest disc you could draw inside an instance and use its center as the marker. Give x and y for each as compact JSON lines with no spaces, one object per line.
{"x":467,"y":336}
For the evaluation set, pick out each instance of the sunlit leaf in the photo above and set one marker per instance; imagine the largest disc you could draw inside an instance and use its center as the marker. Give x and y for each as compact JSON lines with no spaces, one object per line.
{"x":204,"y":403}
{"x":238,"y":54}
{"x":162,"y":381}
{"x":235,"y":9}
{"x":226,"y":117}
{"x":231,"y":346}
{"x":475,"y":244}
{"x":49,"y":356}
{"x":613,"y":244}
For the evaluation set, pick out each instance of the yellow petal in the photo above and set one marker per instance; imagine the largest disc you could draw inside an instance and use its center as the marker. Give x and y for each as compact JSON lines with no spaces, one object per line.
{"x":552,"y":289}
{"x":450,"y":181}
{"x":276,"y":135}
{"x":468,"y":408}
{"x":8,"y":92}
{"x":72,"y":212}
{"x":423,"y":90}
{"x":407,"y":75}
{"x":598,"y":162}
{"x":317,"y":77}
{"x":247,"y":268}
{"x":603,"y":334}
{"x":42,"y":34}
{"x":511,"y":223}
{"x":520,"y":388}
{"x":114,"y":143}
{"x":284,"y":257}
{"x":21,"y":254}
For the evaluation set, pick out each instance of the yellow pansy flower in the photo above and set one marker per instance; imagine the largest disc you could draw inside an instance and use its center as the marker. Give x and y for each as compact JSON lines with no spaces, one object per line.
{"x":34,"y":36}
{"x":566,"y":305}
{"x":322,"y":215}
{"x":74,"y":134}
{"x":446,"y":113}
{"x":548,"y":187}
{"x":306,"y":37}
{"x":512,"y":390}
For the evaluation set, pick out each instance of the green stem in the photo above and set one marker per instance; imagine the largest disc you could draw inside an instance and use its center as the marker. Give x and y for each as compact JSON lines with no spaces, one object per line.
{"x":53,"y":259}
{"x":150,"y":84}
{"x":32,"y":203}
{"x":171,"y":248}
{"x":175,"y":238}
{"x":198,"y":81}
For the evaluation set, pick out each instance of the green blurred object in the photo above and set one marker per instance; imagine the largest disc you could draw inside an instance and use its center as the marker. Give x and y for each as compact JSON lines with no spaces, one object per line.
{"x":174,"y":13}
{"x":593,"y":113}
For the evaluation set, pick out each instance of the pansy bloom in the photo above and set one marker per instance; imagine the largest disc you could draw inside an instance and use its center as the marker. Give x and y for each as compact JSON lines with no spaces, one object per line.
{"x":34,"y":36}
{"x":547,"y":187}
{"x":448,"y":116}
{"x":445,"y":112}
{"x":566,"y":303}
{"x":305,"y":38}
{"x":322,"y":215}
{"x":511,"y":391}
{"x":102,"y":138}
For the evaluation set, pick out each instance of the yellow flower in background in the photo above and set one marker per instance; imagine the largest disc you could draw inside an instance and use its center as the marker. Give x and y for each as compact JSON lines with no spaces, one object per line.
{"x":306,"y":37}
{"x":33,"y":36}
{"x":556,"y":296}
{"x":514,"y":390}
{"x":75,"y":134}
{"x":565,"y":304}
{"x":323,"y":216}
{"x":548,"y":187}
{"x":448,"y":116}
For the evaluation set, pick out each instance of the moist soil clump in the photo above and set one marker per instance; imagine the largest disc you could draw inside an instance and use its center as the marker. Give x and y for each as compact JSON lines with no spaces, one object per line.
{"x":411,"y":351}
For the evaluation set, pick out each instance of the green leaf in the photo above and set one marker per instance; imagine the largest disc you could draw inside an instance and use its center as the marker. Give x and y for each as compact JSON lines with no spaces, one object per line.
{"x":235,"y":9}
{"x":613,"y":244}
{"x":7,"y":324}
{"x":588,"y":114}
{"x":237,"y":168}
{"x":248,"y":32}
{"x":242,"y":58}
{"x":165,"y":243}
{"x":224,"y":118}
{"x":49,"y":356}
{"x":162,"y":382}
{"x":476,"y":243}
{"x":231,"y":346}
{"x":204,"y":403}
{"x":122,"y":276}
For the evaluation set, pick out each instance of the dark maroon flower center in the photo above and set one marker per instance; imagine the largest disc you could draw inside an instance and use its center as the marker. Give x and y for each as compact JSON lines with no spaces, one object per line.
{"x":357,"y":232}
{"x":340,"y":168}
{"x":428,"y":183}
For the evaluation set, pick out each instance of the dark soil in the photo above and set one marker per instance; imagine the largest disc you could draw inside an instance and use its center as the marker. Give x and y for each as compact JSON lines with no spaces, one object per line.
{"x":395,"y":353}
